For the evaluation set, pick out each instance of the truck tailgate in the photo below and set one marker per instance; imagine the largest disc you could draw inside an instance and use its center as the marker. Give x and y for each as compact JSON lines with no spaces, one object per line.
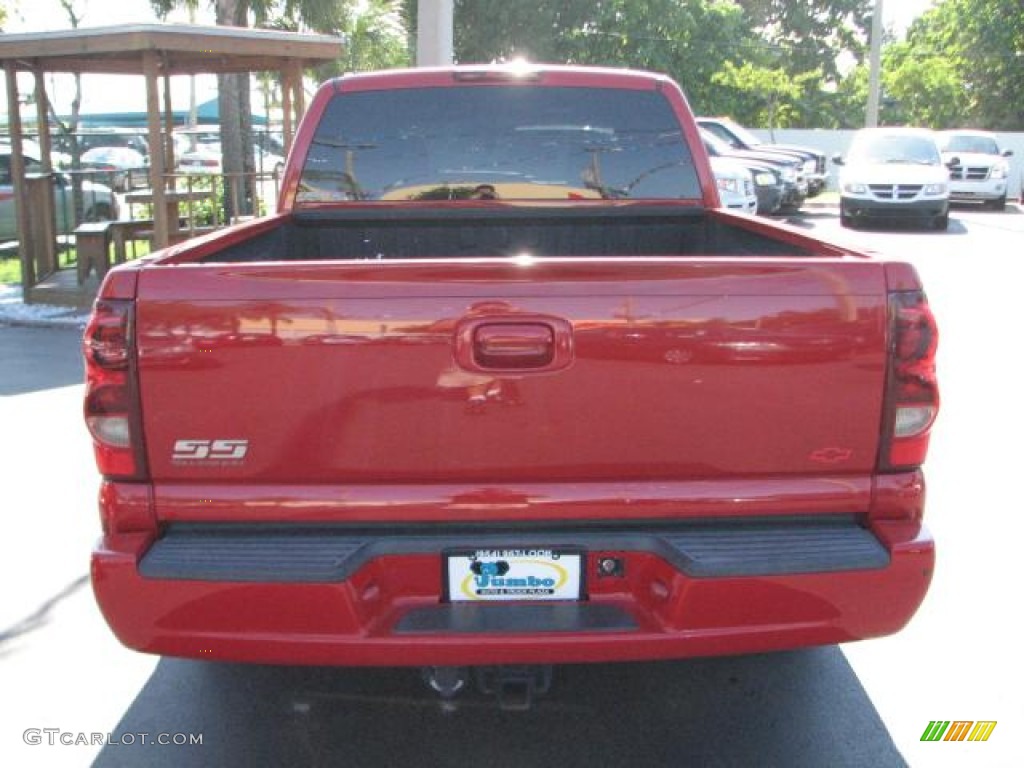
{"x":490,"y":371}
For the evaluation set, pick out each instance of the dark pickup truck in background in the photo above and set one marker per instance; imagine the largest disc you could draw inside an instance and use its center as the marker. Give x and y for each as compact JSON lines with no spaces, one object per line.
{"x":501,"y":385}
{"x":813,"y":163}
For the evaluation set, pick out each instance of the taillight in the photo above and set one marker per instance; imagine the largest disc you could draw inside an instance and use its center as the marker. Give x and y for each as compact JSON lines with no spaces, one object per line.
{"x":912,"y":393}
{"x":111,"y":399}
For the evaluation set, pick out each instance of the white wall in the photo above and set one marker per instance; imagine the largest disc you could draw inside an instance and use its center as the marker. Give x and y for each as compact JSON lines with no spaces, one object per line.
{"x":833,"y":142}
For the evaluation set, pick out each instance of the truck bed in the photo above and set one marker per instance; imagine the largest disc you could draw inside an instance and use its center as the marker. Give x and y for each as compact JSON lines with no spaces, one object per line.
{"x":368,"y":233}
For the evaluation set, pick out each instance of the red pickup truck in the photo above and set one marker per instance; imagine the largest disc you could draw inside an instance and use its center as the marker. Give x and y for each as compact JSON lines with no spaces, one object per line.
{"x":500,"y":384}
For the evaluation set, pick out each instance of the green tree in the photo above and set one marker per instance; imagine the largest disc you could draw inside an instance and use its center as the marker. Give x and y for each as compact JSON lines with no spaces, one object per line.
{"x":792,"y":73}
{"x":809,"y":35}
{"x":495,"y":30}
{"x":684,"y":38}
{"x":771,"y":96}
{"x":721,"y":51}
{"x":920,"y":90}
{"x":850,"y":100}
{"x":376,"y":34}
{"x":981,"y":42}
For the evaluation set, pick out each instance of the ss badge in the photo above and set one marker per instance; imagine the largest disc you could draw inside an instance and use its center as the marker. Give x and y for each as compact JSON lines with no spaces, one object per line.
{"x":210,"y":451}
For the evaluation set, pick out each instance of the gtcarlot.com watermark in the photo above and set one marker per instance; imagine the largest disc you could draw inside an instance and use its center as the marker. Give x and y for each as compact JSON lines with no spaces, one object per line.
{"x":56,"y":737}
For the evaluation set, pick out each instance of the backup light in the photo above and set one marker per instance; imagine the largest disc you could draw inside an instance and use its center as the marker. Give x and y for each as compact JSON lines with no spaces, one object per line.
{"x":913,"y":419}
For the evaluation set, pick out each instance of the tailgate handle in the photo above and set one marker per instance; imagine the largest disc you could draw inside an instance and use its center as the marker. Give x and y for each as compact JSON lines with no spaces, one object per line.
{"x":514,"y":344}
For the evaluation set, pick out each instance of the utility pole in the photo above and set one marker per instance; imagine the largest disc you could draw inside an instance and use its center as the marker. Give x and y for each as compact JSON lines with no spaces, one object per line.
{"x":434,"y":33}
{"x":875,"y":77}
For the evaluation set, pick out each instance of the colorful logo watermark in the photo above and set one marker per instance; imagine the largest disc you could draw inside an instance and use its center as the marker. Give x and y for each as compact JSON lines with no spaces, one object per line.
{"x":958,"y":730}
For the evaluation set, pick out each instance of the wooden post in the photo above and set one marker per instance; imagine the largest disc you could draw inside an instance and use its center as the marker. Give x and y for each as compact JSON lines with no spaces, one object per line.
{"x":169,"y":163}
{"x":286,"y":108}
{"x":300,"y":93}
{"x":43,"y":119}
{"x":151,"y":68}
{"x":41,"y":239}
{"x":47,"y":248}
{"x":28,"y":267}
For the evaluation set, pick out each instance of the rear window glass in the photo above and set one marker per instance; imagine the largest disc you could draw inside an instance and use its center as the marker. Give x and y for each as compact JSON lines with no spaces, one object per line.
{"x":502,"y":142}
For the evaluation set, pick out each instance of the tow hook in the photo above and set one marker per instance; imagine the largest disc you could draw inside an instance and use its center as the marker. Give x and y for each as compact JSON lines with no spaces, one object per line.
{"x":447,"y":681}
{"x":514,"y":686}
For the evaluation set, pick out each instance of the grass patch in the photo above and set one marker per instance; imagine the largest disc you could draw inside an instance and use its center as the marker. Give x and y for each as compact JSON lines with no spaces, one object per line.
{"x":10,"y":269}
{"x":10,"y":265}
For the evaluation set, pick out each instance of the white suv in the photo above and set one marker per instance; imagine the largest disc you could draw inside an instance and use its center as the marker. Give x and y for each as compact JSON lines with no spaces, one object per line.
{"x":893,"y":174}
{"x":982,"y":171}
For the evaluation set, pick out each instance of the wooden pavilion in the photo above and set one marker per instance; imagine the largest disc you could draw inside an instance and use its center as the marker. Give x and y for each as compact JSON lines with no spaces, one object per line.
{"x":155,"y":51}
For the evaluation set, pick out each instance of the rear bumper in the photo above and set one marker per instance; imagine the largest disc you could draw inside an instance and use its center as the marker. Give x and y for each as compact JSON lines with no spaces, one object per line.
{"x":339,"y":596}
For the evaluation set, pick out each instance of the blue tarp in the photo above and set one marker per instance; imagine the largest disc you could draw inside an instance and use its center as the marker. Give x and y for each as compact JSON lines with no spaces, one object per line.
{"x":207,"y":112}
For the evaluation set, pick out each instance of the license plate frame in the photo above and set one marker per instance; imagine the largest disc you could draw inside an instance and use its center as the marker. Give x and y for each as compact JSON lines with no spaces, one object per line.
{"x":513,"y":575}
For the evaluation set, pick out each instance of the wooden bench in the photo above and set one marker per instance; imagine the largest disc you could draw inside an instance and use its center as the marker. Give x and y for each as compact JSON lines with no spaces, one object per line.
{"x":92,"y":242}
{"x":124,"y":231}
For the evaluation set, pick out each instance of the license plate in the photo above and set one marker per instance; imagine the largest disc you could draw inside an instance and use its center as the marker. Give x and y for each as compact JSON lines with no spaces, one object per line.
{"x":495,"y":575}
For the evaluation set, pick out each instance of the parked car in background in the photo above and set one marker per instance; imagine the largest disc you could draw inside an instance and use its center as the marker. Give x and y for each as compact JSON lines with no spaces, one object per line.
{"x":206,"y":158}
{"x":107,"y":137}
{"x":813,"y":163}
{"x":778,"y":181}
{"x":98,"y":200}
{"x":894,"y":174}
{"x":124,"y":168}
{"x":770,"y":187}
{"x":982,"y":173}
{"x":203,"y":158}
{"x":735,"y":184}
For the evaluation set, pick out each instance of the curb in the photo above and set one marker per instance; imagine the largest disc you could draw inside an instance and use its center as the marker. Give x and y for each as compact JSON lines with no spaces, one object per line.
{"x":14,"y":312}
{"x":76,"y":323}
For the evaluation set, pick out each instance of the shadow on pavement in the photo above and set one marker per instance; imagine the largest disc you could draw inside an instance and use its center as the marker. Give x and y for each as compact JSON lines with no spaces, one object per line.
{"x":802,"y":708}
{"x":35,"y":359}
{"x":39,"y":618}
{"x":956,"y":227}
